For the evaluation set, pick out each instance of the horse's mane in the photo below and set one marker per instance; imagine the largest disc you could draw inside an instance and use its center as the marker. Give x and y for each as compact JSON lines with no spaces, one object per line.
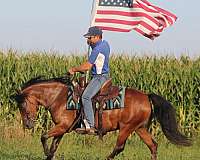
{"x":19,"y":97}
{"x":40,"y":79}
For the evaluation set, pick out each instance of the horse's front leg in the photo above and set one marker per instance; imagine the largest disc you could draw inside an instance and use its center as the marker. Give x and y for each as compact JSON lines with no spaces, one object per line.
{"x":54,"y":146}
{"x":56,"y":132}
{"x":44,"y":139}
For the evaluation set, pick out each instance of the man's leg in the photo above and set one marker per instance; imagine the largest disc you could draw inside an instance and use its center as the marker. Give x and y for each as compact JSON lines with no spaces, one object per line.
{"x":90,"y":91}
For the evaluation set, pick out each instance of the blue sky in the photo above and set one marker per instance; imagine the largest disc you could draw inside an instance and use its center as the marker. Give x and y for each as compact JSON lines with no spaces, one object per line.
{"x":50,"y":25}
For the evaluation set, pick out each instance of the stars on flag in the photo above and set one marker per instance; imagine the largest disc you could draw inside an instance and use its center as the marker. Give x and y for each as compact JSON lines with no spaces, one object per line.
{"x":116,"y":3}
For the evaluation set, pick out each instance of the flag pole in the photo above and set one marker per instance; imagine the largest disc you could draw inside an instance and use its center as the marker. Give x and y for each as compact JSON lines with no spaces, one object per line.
{"x":91,"y":21}
{"x":88,"y":54}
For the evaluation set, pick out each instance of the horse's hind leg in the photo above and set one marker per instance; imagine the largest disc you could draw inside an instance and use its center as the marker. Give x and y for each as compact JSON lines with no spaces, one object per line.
{"x":148,"y":140}
{"x":121,"y":141}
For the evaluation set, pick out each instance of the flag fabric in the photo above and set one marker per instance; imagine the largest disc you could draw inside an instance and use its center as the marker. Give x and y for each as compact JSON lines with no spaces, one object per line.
{"x":126,"y":15}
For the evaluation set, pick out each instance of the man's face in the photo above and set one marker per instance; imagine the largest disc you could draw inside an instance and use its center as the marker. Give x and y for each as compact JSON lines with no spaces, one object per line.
{"x":92,"y":40}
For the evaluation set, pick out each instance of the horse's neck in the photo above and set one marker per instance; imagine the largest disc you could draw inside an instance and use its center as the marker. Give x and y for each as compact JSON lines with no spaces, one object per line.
{"x":46,"y":94}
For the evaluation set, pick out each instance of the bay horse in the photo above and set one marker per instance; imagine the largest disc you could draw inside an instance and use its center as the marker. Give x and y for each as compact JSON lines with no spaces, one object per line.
{"x":140,"y":108}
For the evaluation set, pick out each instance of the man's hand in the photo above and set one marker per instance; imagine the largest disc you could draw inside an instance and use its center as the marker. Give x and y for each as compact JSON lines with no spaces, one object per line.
{"x":71,"y":71}
{"x":82,"y":68}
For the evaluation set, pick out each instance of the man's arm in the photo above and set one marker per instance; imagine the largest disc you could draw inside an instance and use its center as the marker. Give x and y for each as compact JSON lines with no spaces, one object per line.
{"x":83,"y":67}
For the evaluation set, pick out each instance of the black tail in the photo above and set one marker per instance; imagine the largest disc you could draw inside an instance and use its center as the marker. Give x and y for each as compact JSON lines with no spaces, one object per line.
{"x":166,"y":115}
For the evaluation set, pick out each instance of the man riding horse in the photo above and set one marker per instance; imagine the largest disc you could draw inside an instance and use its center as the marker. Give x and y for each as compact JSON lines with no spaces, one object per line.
{"x":98,"y":63}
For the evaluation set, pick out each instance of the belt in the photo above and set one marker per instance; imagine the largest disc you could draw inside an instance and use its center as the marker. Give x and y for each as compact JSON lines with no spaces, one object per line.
{"x":103,"y":74}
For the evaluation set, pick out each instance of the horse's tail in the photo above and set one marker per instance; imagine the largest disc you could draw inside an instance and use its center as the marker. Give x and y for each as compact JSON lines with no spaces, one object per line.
{"x":166,"y":115}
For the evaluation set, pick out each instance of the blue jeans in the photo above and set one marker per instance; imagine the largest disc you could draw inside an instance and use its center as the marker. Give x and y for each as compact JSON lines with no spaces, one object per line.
{"x":91,"y":90}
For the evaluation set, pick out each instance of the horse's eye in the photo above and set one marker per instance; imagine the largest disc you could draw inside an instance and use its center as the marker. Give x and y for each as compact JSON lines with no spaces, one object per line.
{"x":27,"y":112}
{"x":28,"y":116}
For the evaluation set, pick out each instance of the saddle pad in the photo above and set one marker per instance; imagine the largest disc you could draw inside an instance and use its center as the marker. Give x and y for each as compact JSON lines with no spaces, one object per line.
{"x":116,"y":103}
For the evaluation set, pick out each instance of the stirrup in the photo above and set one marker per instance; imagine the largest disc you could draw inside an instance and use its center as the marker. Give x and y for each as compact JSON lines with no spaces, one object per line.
{"x":81,"y":130}
{"x":91,"y":131}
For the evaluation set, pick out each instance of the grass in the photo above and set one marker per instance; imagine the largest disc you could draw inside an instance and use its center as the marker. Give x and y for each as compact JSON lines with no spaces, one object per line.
{"x":25,"y":146}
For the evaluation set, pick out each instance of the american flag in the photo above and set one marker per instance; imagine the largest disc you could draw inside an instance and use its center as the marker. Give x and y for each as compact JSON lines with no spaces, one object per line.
{"x":126,"y":15}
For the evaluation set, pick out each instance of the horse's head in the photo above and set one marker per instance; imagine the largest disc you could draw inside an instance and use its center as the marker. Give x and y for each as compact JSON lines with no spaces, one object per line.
{"x":28,"y":108}
{"x":39,"y":91}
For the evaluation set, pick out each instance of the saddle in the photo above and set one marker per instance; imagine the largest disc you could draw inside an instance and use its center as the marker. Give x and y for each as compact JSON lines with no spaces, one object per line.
{"x":107,"y":91}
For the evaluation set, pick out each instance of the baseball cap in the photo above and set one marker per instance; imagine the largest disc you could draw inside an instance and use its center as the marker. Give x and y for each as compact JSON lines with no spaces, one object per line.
{"x":93,"y":31}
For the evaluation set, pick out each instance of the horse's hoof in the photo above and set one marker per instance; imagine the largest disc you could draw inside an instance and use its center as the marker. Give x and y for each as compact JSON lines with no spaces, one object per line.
{"x":47,"y":153}
{"x":50,"y":158}
{"x":109,"y":158}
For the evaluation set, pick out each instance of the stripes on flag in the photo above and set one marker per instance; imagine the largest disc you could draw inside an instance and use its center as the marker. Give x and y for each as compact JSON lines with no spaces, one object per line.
{"x":126,"y":15}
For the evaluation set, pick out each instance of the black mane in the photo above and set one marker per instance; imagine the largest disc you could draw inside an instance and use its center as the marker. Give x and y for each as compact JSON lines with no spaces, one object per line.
{"x":20,"y":97}
{"x":40,"y":79}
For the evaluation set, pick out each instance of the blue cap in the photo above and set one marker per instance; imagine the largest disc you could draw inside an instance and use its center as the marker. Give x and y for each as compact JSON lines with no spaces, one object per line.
{"x":93,"y":31}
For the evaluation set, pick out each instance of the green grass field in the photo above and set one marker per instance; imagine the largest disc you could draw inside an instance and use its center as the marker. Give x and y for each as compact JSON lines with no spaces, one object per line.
{"x":178,"y":80}
{"x":20,"y":145}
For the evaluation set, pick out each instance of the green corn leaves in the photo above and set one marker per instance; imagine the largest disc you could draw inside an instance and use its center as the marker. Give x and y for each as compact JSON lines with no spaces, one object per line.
{"x":178,"y":80}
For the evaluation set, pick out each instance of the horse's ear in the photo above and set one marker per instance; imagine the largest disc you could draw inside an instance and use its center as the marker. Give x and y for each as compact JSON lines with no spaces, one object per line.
{"x":18,"y":97}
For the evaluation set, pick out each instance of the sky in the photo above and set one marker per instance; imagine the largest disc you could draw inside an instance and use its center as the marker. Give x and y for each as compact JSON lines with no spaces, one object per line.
{"x":58,"y":26}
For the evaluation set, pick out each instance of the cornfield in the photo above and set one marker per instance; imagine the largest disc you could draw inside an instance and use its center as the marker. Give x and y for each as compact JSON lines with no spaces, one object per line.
{"x":178,"y":80}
